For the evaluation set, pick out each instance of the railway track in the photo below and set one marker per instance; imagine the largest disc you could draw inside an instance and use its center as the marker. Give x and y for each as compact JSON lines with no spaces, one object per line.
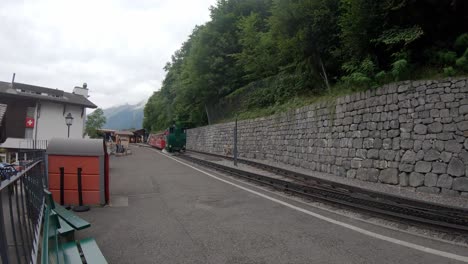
{"x":437,"y":216}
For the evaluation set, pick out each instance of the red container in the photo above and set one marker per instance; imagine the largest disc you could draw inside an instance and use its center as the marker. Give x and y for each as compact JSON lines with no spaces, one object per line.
{"x":70,"y":154}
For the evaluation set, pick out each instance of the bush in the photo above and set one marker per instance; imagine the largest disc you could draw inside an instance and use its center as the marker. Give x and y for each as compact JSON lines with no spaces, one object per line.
{"x":449,"y":71}
{"x":358,"y":79}
{"x":400,"y":69}
{"x":462,"y":62}
{"x":446,"y":57}
{"x":461,"y":43}
{"x":381,"y":77}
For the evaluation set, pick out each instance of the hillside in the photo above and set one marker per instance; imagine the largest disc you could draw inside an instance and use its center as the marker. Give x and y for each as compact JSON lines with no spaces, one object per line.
{"x":124,"y":116}
{"x":256,"y":57}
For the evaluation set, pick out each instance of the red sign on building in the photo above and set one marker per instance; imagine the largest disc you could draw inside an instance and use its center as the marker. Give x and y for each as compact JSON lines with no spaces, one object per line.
{"x":29,"y":122}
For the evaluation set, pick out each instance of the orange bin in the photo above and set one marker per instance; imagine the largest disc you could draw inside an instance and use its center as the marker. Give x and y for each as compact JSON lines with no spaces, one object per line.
{"x":66,"y":158}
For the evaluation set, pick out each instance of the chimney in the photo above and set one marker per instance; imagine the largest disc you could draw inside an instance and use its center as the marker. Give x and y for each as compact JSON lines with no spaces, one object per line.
{"x":83,"y":91}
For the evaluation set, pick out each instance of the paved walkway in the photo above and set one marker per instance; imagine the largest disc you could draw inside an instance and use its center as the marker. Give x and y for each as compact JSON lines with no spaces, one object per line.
{"x":165,"y":212}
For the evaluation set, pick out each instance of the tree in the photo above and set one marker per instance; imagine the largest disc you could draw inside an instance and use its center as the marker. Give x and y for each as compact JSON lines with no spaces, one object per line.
{"x":94,"y":122}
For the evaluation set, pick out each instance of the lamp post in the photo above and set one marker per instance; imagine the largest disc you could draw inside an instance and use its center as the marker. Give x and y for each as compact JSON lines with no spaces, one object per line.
{"x":69,"y":122}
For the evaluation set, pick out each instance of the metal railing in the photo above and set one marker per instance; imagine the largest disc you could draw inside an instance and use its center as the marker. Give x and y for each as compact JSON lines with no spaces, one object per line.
{"x":21,"y":208}
{"x":33,"y":144}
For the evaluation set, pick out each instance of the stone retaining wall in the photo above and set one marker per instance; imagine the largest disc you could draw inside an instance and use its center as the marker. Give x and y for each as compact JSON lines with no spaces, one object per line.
{"x":412,"y":134}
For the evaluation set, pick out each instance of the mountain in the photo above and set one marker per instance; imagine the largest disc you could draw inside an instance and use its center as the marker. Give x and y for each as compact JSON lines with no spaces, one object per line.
{"x":124,"y":116}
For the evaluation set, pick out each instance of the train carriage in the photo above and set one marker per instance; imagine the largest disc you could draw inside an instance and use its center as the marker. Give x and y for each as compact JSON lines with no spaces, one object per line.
{"x":157,"y":140}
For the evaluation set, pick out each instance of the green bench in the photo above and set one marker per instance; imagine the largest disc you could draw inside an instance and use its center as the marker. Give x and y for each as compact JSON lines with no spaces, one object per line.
{"x":58,"y":244}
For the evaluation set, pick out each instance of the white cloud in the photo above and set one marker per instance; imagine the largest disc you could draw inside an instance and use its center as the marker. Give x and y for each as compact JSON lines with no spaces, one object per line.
{"x":118,"y":47}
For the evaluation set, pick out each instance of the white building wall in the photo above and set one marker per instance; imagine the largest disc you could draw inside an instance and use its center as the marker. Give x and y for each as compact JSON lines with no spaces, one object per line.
{"x":50,"y":121}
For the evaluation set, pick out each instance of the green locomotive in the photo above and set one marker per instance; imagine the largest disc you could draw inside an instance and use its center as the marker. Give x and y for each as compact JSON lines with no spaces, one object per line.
{"x":176,"y":138}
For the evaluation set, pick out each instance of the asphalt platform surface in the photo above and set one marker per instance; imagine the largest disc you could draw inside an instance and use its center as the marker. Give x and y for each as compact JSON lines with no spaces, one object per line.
{"x":165,"y":212}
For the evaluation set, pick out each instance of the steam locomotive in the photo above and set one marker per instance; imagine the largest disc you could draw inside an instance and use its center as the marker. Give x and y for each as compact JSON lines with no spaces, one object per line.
{"x":172,"y":139}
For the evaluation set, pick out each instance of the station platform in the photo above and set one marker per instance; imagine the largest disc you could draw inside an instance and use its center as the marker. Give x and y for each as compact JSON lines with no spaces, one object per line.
{"x":165,"y":211}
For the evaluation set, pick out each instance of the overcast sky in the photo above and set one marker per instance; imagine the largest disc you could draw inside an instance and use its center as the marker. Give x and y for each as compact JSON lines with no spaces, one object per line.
{"x":119,"y":47}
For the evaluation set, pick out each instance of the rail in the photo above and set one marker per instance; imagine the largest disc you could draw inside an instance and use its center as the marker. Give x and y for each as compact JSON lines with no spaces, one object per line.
{"x":443,"y":217}
{"x":22,"y":204}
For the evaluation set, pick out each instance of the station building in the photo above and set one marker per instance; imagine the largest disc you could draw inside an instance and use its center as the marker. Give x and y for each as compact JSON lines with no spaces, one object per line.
{"x":31,"y":115}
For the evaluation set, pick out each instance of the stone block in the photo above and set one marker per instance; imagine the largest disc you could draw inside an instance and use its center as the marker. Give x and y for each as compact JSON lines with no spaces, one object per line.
{"x":407,"y":144}
{"x":420,"y":129}
{"x":351,"y":174}
{"x":356,"y":163}
{"x":445,"y":156}
{"x":464,"y":156}
{"x":361,"y":153}
{"x":463,"y":125}
{"x":430,"y":179}
{"x":357,"y":143}
{"x":448,"y":97}
{"x":403,"y":179}
{"x":447,"y":192}
{"x":373,"y":175}
{"x":431,"y":155}
{"x":423,"y":166}
{"x":463,"y":109}
{"x":367,"y":163}
{"x":444,"y":113}
{"x":367,"y":174}
{"x":434,"y":113}
{"x":381,"y":164}
{"x":416,"y":179}
{"x":393,"y":133}
{"x":389,"y":155}
{"x":453,"y":146}
{"x":389,"y":176}
{"x":456,"y":167}
{"x":460,"y":184}
{"x":396,"y":144}
{"x":409,"y":157}
{"x":373,"y":154}
{"x":406,"y":127}
{"x":434,"y":127}
{"x":426,"y":145}
{"x":406,"y":167}
{"x":420,"y":155}
{"x":428,"y":189}
{"x":403,"y":88}
{"x":439,"y":145}
{"x":444,"y":181}
{"x":439,"y":167}
{"x":387,"y":143}
{"x":417,"y":145}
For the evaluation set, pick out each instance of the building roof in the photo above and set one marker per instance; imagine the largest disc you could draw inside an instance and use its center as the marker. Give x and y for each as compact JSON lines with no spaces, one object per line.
{"x":124,"y":133}
{"x":139,"y":132}
{"x":105,"y":130}
{"x":21,"y":90}
{"x":75,"y":147}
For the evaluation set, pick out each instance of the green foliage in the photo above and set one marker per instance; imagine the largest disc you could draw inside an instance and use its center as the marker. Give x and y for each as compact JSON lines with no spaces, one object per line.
{"x":461,"y":43}
{"x":400,"y":69}
{"x":381,"y":77}
{"x":462,"y":62}
{"x":359,"y":75}
{"x":446,"y":57}
{"x":358,"y":79}
{"x":403,"y":36}
{"x":259,"y":55}
{"x":95,"y":121}
{"x":449,"y":71}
